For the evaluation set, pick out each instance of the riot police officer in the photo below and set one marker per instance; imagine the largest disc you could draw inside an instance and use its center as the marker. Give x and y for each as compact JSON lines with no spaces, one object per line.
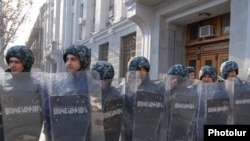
{"x":72,"y":86}
{"x":111,"y":101}
{"x":191,"y":73}
{"x":178,"y":75}
{"x":210,"y":91}
{"x":229,"y":70}
{"x":138,"y":82}
{"x":21,"y":83}
{"x":207,"y":74}
{"x":140,"y":65}
{"x":77,"y":58}
{"x":180,"y":94}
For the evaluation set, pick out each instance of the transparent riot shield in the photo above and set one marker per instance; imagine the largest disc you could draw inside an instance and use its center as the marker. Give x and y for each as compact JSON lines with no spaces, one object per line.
{"x":214,"y":106}
{"x":112,"y":101}
{"x":130,"y":85}
{"x":75,"y":107}
{"x":182,"y":101}
{"x":148,"y":110}
{"x":240,"y":95}
{"x":143,"y":106}
{"x":21,"y":105}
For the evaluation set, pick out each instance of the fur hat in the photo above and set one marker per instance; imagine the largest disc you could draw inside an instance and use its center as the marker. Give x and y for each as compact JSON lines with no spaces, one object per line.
{"x":23,"y":53}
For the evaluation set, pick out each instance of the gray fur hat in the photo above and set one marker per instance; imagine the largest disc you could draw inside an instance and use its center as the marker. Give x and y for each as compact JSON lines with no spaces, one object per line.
{"x":209,"y":70}
{"x":105,"y":69}
{"x":190,"y":69}
{"x":81,"y":51}
{"x":228,"y":66}
{"x":23,"y":53}
{"x":138,"y":62}
{"x":178,"y":69}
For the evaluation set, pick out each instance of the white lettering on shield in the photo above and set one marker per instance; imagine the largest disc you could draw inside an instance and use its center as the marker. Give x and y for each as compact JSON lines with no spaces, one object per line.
{"x":112,"y":113}
{"x":149,"y":104}
{"x":218,"y":109}
{"x":22,"y":110}
{"x":69,"y":110}
{"x":243,"y":101}
{"x":183,"y":106}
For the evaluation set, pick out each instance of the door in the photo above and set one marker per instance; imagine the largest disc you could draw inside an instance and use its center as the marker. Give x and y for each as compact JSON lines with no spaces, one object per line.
{"x":209,"y":60}
{"x":192,"y":61}
{"x":214,"y":60}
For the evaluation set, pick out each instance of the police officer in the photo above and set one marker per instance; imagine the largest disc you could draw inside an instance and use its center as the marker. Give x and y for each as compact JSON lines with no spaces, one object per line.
{"x":191,"y":72}
{"x":110,"y":97}
{"x":211,"y":91}
{"x":77,"y":59}
{"x":20,"y":60}
{"x":140,"y":65}
{"x":178,"y":73}
{"x":207,"y":74}
{"x":229,"y":70}
{"x":138,"y":69}
{"x":176,"y":90}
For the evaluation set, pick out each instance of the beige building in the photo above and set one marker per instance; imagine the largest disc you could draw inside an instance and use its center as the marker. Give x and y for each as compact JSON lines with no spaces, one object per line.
{"x":191,"y":32}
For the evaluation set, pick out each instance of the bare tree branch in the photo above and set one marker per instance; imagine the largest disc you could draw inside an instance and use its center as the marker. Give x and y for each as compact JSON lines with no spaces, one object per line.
{"x":14,"y":14}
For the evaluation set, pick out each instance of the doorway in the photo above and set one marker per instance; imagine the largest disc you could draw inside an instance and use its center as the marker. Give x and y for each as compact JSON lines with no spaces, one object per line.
{"x":213,"y":54}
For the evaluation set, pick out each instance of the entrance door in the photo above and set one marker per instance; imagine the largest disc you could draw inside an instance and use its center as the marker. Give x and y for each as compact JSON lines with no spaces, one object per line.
{"x":214,"y":60}
{"x":209,"y":60}
{"x":210,"y":54}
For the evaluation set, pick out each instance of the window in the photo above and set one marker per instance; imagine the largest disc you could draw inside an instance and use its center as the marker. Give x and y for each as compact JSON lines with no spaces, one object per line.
{"x":127,"y":51}
{"x":225,"y":24}
{"x":221,"y":29}
{"x":111,"y":8}
{"x":110,"y":18}
{"x":194,"y":32}
{"x":93,"y":25}
{"x":81,"y":21}
{"x":104,"y":52}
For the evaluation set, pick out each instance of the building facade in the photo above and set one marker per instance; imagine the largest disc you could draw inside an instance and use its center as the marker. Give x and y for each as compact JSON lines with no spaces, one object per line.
{"x":191,"y":32}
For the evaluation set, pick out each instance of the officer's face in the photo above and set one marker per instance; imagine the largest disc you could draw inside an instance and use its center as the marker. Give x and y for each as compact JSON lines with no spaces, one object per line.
{"x":72,"y":63}
{"x":191,"y":75}
{"x":141,"y":73}
{"x":16,"y":65}
{"x":231,"y":74}
{"x":207,"y":79}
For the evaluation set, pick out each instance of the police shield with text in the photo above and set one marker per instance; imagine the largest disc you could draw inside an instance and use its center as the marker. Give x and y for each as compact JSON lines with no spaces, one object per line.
{"x":182,"y":104}
{"x":111,"y":101}
{"x":143,"y":102}
{"x":75,"y":107}
{"x":21,"y":103}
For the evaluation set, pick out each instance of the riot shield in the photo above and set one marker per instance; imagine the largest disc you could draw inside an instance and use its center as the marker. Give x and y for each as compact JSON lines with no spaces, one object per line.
{"x":241,"y":100}
{"x":112,"y":108}
{"x":21,"y":105}
{"x":214,"y":106}
{"x":75,"y":107}
{"x":148,"y":110}
{"x":183,"y":100}
{"x":143,"y":106}
{"x":130,"y":85}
